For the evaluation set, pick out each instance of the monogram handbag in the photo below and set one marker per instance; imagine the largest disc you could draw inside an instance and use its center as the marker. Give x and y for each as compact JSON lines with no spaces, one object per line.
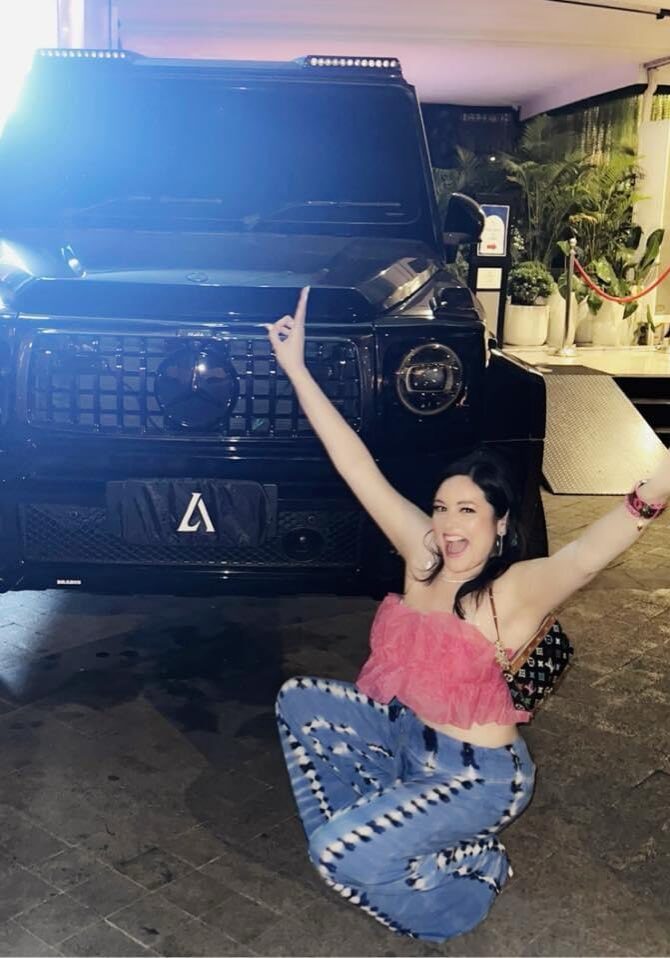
{"x":534,"y":670}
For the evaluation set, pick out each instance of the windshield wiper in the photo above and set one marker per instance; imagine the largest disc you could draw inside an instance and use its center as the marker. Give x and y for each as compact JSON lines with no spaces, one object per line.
{"x":119,"y":205}
{"x":133,"y":206}
{"x":391,"y":210}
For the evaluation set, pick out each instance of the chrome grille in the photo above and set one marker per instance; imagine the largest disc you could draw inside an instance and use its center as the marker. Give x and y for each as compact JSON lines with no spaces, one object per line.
{"x":104,"y":383}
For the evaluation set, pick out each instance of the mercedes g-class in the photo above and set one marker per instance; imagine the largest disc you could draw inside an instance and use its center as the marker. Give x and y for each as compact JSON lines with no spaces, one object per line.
{"x":154,"y":215}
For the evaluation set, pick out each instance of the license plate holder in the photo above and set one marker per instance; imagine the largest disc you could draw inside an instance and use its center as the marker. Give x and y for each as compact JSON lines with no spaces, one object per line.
{"x":191,"y":512}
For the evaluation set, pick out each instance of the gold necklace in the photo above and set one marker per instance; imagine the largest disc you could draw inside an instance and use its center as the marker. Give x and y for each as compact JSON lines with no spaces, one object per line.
{"x":461,"y":581}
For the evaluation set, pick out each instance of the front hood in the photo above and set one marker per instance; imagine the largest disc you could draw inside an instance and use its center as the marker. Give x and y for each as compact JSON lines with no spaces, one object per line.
{"x":104,"y":272}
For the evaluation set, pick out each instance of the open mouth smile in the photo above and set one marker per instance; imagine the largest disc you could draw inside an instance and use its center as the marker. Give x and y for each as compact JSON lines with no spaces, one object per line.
{"x":454,"y":546}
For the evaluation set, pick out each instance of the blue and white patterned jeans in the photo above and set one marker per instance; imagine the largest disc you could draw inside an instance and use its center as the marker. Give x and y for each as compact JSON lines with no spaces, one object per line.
{"x":401,"y":820}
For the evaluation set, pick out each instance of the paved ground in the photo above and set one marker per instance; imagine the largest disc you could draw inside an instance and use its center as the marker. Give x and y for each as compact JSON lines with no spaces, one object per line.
{"x":144,"y":807}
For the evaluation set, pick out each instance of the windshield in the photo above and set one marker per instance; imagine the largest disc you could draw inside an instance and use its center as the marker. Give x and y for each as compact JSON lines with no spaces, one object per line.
{"x":131,"y":148}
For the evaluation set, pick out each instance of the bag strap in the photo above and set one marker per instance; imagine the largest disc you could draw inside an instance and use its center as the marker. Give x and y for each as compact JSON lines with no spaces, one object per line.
{"x":501,"y":655}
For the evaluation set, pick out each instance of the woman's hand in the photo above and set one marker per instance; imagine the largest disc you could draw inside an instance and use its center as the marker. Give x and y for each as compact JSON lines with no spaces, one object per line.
{"x":287,"y":336}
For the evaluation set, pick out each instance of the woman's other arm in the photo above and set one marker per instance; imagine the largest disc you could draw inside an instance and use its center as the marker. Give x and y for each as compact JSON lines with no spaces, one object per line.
{"x":549,"y":582}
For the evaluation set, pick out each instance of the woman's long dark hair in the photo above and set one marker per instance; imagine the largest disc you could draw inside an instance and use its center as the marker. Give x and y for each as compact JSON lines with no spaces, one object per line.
{"x":492,"y":474}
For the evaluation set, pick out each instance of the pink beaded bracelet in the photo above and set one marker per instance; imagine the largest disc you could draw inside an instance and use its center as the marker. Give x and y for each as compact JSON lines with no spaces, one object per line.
{"x":641,"y":509}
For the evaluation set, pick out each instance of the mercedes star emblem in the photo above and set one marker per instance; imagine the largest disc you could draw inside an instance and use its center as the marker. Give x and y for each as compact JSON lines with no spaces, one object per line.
{"x":197,"y":386}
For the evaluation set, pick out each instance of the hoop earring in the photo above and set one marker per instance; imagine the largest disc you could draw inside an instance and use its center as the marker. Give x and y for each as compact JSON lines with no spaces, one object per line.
{"x":499,"y":545}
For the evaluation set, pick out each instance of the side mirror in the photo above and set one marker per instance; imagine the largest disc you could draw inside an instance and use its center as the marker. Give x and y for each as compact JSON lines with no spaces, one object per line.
{"x":464,"y":221}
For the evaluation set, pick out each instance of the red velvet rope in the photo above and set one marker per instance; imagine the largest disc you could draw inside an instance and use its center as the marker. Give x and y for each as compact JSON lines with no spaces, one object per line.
{"x":618,"y":299}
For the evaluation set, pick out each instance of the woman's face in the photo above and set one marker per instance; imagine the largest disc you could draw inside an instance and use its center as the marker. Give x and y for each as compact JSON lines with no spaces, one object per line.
{"x":465,"y":526}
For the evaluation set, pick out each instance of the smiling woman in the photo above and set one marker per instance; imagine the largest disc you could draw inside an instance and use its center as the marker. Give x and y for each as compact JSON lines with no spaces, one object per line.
{"x":461,"y":513}
{"x":404,"y":779}
{"x":475,"y":492}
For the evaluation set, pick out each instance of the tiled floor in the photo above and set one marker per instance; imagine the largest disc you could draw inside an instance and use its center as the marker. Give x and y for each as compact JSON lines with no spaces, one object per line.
{"x":144,"y":808}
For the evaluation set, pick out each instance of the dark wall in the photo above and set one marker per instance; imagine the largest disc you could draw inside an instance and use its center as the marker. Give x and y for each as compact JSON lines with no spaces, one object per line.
{"x":483,"y":130}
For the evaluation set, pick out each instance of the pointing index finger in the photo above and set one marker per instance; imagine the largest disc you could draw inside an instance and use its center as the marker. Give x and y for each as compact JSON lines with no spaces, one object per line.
{"x":301,"y":308}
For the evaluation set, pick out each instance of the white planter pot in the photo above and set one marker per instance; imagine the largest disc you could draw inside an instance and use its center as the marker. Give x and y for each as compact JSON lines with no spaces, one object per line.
{"x":556,"y":331}
{"x":609,"y":328}
{"x":526,"y":325}
{"x":584,"y":330}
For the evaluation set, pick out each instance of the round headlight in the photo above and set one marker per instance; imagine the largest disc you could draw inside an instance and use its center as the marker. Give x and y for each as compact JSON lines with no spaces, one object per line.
{"x":429,"y":379}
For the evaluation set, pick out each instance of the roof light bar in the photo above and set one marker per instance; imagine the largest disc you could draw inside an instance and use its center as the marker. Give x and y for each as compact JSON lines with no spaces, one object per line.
{"x":375,"y":63}
{"x":77,"y":54}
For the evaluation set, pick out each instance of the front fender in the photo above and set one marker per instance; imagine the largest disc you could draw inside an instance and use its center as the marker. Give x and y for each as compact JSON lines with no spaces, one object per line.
{"x":513,"y":401}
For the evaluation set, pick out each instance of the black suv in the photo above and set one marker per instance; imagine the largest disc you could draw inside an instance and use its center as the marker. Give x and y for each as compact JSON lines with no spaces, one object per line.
{"x":154,"y":214}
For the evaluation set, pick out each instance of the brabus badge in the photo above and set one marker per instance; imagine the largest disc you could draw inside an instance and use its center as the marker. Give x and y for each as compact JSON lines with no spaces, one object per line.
{"x":197,"y":504}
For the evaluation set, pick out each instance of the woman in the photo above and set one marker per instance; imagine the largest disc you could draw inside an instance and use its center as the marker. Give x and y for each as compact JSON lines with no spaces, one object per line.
{"x":404,"y":779}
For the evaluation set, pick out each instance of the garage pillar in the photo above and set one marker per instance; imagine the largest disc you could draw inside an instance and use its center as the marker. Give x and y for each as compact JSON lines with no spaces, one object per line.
{"x":88,"y":23}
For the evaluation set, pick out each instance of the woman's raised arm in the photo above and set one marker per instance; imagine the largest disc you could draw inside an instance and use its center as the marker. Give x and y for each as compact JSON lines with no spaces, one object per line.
{"x":546,"y":583}
{"x":404,"y":524}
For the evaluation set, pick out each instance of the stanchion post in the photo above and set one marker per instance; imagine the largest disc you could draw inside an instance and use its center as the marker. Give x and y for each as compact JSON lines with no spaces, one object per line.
{"x":566,"y":350}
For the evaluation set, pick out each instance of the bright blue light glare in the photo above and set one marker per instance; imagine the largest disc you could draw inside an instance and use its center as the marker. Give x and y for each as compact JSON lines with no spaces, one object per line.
{"x":10,"y":256}
{"x":5,"y":307}
{"x":25,"y":27}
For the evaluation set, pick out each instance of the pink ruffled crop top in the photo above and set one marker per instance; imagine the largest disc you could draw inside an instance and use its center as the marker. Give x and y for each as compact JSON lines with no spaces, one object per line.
{"x":440,"y":666}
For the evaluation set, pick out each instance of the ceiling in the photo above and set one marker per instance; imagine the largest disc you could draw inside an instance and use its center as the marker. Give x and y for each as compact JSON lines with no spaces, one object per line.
{"x":535,"y":54}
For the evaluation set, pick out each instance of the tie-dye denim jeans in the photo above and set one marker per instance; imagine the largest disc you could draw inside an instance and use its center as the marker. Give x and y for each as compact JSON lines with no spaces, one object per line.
{"x":401,"y":820}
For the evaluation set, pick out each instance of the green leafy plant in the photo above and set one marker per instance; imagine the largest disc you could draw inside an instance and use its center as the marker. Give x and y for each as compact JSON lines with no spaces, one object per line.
{"x":568,"y":191}
{"x":605,"y":197}
{"x":612,"y":283}
{"x":517,"y":245}
{"x":642,"y":268}
{"x":547,"y":170}
{"x":528,"y":282}
{"x":608,"y":236}
{"x":637,"y":272}
{"x":579,"y":288}
{"x":622,"y":271}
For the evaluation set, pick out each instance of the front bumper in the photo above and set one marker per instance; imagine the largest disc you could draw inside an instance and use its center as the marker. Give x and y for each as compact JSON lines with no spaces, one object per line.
{"x":58,"y":534}
{"x":187,"y":581}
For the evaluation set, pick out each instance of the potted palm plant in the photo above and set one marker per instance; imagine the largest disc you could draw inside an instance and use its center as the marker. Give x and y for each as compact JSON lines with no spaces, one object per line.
{"x":548,"y":170}
{"x":617,"y":324}
{"x":527,"y":313}
{"x":603,"y":220}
